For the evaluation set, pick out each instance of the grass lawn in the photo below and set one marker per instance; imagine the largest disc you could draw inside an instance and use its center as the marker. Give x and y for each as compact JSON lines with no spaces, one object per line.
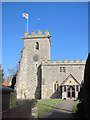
{"x":45,"y":105}
{"x":75,"y":106}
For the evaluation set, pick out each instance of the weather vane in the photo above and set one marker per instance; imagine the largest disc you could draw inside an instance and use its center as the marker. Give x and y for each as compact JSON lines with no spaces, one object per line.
{"x":38,"y":23}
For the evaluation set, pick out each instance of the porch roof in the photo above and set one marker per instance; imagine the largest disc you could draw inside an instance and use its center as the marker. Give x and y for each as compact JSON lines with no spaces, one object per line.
{"x":68,"y":78}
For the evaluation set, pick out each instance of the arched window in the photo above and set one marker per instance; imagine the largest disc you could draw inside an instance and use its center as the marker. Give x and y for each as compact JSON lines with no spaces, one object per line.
{"x":37,"y":46}
{"x":56,"y":86}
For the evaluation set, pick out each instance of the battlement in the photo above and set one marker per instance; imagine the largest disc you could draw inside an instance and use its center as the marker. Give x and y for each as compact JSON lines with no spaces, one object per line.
{"x":36,"y":35}
{"x":72,"y":61}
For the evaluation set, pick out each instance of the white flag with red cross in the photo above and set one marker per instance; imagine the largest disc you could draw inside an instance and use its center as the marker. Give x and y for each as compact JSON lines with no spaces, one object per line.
{"x":25,"y":15}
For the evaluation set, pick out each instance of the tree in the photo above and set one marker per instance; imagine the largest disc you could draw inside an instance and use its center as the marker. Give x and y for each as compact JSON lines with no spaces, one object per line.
{"x":1,"y":75}
{"x":84,"y":95}
{"x":12,"y":76}
{"x":12,"y":71}
{"x":12,"y":79}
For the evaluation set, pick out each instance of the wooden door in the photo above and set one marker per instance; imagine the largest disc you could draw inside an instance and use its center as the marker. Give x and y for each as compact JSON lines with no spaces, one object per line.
{"x":71,"y":92}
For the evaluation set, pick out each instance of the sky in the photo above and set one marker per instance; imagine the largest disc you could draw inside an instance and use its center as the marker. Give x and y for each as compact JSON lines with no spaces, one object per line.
{"x":67,"y":23}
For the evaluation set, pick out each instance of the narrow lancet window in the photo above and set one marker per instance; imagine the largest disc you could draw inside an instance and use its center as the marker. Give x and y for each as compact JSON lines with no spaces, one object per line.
{"x":56,"y":86}
{"x":64,"y":88}
{"x":77,"y":88}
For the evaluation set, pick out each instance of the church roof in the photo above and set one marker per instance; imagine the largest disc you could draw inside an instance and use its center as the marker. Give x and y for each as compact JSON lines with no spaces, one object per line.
{"x":70,"y":75}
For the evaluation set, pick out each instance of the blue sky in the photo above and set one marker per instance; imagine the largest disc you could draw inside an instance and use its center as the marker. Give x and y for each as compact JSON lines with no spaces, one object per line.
{"x":67,"y":22}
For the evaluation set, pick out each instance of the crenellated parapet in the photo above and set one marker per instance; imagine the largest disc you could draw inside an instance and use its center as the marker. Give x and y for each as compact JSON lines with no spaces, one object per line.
{"x":65,"y":61}
{"x":71,"y":61}
{"x":77,"y":60}
{"x":34,"y":35}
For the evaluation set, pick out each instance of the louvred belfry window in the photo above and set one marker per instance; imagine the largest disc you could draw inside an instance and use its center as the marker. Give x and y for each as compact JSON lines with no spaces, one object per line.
{"x":37,"y":45}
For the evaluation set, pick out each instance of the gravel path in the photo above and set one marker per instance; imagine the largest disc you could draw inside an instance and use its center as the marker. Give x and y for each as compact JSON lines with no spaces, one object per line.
{"x":61,"y":110}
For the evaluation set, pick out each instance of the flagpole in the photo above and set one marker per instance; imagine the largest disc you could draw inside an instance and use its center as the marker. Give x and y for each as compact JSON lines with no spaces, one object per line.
{"x":27,"y":24}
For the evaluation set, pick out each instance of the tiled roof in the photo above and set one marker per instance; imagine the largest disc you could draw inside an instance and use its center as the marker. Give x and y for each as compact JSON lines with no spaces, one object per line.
{"x":5,"y":83}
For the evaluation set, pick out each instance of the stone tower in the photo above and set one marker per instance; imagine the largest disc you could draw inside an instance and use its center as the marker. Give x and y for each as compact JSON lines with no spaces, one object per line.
{"x":36,"y":49}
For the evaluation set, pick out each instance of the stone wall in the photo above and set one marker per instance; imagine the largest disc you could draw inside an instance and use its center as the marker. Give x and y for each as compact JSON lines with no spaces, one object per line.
{"x":51,"y":73}
{"x":37,"y":73}
{"x":21,"y":75}
{"x":28,"y":82}
{"x":27,"y":110}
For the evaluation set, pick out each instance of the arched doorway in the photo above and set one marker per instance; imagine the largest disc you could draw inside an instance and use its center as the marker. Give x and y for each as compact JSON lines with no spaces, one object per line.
{"x":71,"y":92}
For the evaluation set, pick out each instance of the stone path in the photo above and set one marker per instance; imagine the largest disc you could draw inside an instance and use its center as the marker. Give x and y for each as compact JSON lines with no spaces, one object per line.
{"x":61,"y":110}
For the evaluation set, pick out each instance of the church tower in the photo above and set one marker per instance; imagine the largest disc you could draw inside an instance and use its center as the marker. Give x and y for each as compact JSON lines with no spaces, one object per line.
{"x":29,"y":78}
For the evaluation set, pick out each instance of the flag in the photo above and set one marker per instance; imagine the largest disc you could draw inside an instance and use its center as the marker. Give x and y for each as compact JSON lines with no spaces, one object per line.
{"x":25,"y":15}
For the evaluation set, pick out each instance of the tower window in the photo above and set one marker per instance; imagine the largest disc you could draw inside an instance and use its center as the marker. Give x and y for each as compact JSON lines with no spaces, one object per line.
{"x":37,"y":46}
